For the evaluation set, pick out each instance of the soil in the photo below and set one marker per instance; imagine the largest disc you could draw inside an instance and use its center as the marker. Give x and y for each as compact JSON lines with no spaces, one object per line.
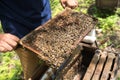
{"x":55,"y":40}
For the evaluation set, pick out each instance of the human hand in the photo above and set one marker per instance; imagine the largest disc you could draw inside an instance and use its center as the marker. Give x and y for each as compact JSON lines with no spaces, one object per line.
{"x":69,"y":3}
{"x":8,"y":42}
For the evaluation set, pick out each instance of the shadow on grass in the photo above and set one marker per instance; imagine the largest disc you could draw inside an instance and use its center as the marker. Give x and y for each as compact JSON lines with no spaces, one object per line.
{"x":97,"y":12}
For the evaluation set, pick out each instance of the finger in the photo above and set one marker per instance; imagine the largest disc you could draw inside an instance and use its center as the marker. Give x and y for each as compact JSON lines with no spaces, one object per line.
{"x":11,"y":42}
{"x":15,"y":38}
{"x":72,"y":3}
{"x":76,"y":2}
{"x":63,"y":4}
{"x":6,"y":46}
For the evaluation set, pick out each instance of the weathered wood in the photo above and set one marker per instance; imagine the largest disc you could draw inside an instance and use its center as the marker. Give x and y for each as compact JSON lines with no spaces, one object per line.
{"x":104,"y":67}
{"x":107,"y":68}
{"x":91,"y":67}
{"x":107,"y":4}
{"x":114,"y":71}
{"x":39,"y":71}
{"x":99,"y":67}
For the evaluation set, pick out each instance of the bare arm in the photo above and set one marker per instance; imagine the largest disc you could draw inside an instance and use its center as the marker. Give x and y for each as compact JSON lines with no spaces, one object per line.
{"x":8,"y":42}
{"x":69,"y":3}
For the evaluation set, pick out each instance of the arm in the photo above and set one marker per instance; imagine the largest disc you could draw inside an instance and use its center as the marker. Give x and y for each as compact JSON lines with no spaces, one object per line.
{"x":8,"y":42}
{"x":69,"y":3}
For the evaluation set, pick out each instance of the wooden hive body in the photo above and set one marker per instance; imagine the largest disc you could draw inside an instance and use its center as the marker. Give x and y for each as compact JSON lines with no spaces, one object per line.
{"x":57,"y":39}
{"x":108,"y":4}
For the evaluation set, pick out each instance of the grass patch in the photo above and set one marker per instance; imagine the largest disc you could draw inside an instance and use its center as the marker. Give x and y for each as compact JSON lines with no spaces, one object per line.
{"x":10,"y":67}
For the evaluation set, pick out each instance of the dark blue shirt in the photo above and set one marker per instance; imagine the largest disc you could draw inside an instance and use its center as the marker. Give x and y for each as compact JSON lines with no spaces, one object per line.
{"x":19,"y":17}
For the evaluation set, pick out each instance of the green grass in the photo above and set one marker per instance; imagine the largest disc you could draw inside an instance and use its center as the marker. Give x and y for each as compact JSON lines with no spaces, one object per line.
{"x":56,"y":7}
{"x":118,"y":79}
{"x":1,"y":30}
{"x":10,"y":67}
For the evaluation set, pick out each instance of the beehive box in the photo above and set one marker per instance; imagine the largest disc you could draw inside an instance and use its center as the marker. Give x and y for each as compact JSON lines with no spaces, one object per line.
{"x":108,"y":4}
{"x":95,"y":65}
{"x":57,"y":39}
{"x":78,"y":70}
{"x":103,"y":66}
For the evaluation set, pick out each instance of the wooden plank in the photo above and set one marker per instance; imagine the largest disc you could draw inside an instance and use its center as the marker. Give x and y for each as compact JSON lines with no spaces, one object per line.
{"x":38,"y":72}
{"x":99,"y":67}
{"x":106,"y":71}
{"x":91,"y":67}
{"x":114,"y":72}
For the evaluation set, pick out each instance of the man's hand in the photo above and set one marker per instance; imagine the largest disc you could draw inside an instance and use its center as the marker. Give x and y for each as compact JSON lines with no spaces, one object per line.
{"x":8,"y":42}
{"x":69,"y":3}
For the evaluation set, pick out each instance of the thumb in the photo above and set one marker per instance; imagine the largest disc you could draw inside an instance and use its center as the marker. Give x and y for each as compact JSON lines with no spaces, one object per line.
{"x":64,"y":4}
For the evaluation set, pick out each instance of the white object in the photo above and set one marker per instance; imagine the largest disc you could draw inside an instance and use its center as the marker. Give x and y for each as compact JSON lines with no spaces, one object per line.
{"x":47,"y":74}
{"x":91,"y":37}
